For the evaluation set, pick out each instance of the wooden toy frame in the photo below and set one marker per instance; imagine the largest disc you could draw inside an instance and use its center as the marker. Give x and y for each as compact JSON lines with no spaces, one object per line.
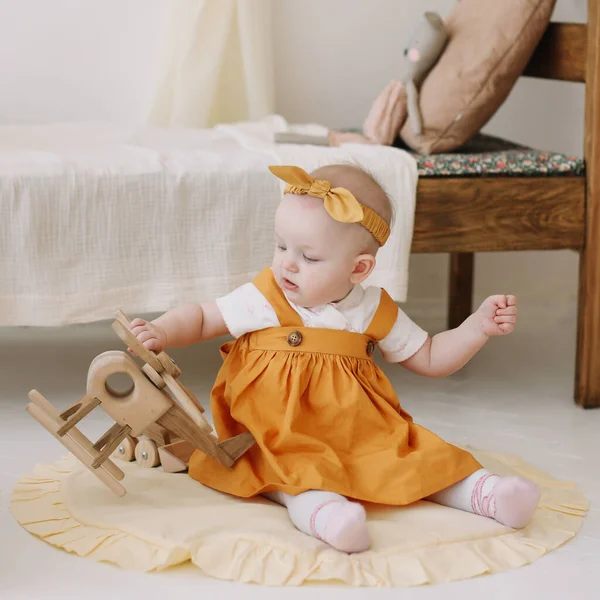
{"x":157,"y":407}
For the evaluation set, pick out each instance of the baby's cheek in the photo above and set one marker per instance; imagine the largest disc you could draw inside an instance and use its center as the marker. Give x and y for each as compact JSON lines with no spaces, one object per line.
{"x":318,"y":278}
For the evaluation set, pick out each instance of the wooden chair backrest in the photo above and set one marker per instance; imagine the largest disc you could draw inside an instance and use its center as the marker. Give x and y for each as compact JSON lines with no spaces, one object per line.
{"x":571,"y":52}
{"x":561,"y":53}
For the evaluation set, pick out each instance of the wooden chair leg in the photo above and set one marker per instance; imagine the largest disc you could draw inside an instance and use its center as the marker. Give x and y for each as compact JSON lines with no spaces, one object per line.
{"x":587,"y":370}
{"x":460,"y":297}
{"x":587,"y":366}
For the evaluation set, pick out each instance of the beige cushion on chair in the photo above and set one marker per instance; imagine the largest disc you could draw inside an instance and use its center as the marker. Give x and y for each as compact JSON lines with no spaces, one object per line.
{"x":491,"y":42}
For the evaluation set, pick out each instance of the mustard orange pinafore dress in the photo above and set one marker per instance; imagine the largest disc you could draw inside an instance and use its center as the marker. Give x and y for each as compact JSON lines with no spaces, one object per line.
{"x":324,"y":416}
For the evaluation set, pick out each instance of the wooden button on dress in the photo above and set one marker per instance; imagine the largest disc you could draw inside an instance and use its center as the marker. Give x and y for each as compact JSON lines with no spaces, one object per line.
{"x":294,"y":338}
{"x":370,"y":348}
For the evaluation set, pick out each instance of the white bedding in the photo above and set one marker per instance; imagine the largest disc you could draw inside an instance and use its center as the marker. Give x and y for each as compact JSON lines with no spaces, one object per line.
{"x":99,"y":217}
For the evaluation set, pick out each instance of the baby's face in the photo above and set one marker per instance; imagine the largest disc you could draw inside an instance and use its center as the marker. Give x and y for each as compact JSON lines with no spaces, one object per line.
{"x":314,"y":254}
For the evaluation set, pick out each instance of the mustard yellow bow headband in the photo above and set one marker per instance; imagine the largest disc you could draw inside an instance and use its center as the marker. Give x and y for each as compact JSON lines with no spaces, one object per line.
{"x":340,"y":203}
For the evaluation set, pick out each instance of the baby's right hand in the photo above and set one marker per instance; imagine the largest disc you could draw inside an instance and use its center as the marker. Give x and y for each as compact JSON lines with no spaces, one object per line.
{"x":151,"y":336}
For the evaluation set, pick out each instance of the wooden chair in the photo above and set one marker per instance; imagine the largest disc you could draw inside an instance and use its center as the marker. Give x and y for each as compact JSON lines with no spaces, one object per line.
{"x":493,"y":213}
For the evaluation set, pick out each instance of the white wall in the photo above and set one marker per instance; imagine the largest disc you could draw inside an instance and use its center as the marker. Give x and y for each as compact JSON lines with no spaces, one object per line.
{"x":99,"y":60}
{"x":332,"y":69}
{"x":70,"y":60}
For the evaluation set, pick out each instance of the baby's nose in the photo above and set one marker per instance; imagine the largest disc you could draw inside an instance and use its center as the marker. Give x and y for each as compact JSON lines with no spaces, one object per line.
{"x":290,"y":265}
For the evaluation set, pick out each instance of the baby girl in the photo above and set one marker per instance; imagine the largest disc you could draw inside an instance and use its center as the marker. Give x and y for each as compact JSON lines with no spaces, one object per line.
{"x":330,"y":431}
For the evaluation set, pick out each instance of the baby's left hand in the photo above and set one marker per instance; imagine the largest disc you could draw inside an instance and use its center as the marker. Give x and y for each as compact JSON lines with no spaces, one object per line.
{"x":498,"y":314}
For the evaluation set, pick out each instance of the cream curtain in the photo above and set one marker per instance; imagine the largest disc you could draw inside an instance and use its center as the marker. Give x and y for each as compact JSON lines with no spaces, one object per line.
{"x":218,"y":64}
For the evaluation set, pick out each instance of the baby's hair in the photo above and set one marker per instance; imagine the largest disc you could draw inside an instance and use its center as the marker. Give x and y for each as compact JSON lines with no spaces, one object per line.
{"x":365,"y":187}
{"x":390,"y":205}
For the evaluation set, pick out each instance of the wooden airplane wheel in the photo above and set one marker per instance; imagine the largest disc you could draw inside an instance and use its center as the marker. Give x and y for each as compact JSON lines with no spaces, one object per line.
{"x":146,"y":453}
{"x":126,"y":449}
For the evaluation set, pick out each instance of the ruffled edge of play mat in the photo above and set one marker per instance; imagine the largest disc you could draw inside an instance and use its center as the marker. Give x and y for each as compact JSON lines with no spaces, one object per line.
{"x":38,"y":506}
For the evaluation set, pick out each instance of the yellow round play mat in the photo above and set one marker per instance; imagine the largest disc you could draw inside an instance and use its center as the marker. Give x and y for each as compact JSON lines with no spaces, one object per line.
{"x":168,"y":519}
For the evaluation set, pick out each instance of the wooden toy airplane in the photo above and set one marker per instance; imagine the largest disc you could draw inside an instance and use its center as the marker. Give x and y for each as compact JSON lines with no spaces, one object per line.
{"x":157,"y":407}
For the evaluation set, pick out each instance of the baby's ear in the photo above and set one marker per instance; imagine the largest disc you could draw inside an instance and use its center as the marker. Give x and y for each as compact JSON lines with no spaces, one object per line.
{"x":363,"y":266}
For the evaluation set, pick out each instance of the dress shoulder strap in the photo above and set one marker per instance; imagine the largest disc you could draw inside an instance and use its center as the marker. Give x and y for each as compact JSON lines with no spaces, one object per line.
{"x":268,"y":287}
{"x":384,"y":318}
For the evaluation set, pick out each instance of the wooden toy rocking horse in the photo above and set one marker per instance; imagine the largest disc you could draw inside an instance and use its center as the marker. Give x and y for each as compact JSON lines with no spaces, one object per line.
{"x":170,"y":422}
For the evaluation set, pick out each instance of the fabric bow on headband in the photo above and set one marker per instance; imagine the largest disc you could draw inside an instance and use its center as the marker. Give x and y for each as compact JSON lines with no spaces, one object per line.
{"x":339,"y":202}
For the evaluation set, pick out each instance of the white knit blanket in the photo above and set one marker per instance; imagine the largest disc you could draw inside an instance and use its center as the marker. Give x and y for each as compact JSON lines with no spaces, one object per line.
{"x":99,"y":217}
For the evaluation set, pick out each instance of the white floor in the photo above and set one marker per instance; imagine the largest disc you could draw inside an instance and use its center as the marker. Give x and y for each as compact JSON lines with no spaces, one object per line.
{"x":514,"y":397}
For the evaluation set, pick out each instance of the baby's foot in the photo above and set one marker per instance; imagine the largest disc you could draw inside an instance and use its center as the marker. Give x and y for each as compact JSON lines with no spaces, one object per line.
{"x":342,"y":525}
{"x":509,"y":500}
{"x":516,"y":500}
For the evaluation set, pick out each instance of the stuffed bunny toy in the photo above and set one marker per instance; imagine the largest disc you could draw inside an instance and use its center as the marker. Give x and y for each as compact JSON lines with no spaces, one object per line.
{"x":400,"y":98}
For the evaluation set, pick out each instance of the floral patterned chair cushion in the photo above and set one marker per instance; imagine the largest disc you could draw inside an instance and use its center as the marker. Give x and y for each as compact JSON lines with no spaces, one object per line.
{"x":486,"y":155}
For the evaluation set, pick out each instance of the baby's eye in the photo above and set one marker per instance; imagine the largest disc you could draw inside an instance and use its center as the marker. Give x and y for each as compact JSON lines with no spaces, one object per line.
{"x":280,"y":247}
{"x":310,"y":260}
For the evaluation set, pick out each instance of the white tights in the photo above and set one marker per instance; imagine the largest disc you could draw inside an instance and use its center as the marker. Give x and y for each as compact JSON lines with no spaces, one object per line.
{"x":337,"y":521}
